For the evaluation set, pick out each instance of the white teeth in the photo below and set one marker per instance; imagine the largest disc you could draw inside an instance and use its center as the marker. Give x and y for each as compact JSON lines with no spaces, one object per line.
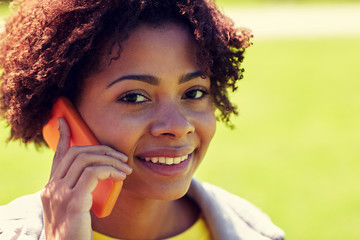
{"x":177,"y":160}
{"x":169,"y":161}
{"x":162,"y":160}
{"x":166,"y":160}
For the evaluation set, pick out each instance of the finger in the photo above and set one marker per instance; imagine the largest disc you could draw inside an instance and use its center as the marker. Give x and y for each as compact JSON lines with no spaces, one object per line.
{"x":73,"y":152}
{"x":85,"y":160}
{"x":63,"y":144}
{"x":91,"y":175}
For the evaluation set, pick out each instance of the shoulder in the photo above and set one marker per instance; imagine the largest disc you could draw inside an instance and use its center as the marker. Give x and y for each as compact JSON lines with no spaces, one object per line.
{"x":229,"y":215}
{"x":22,"y":218}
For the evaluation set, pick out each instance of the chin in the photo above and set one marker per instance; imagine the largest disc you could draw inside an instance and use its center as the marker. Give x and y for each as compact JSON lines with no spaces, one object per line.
{"x":164,"y":191}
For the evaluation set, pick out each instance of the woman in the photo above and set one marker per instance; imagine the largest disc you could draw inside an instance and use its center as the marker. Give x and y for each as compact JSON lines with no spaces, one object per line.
{"x":146,"y":77}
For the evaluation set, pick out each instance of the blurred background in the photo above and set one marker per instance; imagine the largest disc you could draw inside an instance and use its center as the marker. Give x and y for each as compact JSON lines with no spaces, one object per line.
{"x":295,"y":149}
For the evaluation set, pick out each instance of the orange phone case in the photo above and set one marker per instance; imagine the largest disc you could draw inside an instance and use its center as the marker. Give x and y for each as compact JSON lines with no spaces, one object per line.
{"x":107,"y":191}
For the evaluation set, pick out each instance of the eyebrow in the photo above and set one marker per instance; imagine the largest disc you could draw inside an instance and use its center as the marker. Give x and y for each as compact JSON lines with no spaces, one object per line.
{"x":190,"y":76}
{"x":154,"y":80}
{"x":143,"y":78}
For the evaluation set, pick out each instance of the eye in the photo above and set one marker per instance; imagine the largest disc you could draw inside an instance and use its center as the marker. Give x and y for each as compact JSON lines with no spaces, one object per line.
{"x":195,"y":94}
{"x":133,"y":98}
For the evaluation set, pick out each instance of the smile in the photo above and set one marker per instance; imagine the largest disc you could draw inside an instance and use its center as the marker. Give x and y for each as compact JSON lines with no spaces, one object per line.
{"x":166,"y":160}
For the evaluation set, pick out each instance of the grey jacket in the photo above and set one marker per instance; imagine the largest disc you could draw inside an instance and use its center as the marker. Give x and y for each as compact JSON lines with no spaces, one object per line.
{"x":228,"y":216}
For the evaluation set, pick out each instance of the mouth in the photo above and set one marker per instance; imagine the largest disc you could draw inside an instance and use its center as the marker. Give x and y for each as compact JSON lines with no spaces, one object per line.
{"x":166,"y":160}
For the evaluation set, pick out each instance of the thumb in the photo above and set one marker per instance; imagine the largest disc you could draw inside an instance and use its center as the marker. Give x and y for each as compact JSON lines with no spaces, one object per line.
{"x":63,"y":144}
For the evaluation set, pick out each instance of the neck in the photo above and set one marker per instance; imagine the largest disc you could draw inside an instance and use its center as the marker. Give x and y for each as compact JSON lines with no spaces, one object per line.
{"x":156,"y":218}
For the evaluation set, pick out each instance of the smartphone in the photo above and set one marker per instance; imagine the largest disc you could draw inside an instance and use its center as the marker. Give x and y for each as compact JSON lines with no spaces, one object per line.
{"x":107,"y":191}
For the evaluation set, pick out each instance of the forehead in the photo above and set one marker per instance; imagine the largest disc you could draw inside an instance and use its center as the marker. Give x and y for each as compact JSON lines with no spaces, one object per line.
{"x":151,"y":50}
{"x":113,"y":45}
{"x":171,"y":36}
{"x":146,"y":36}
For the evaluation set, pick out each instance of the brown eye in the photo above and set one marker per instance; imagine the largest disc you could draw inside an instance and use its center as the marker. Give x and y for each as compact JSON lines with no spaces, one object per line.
{"x":195,"y":94}
{"x":133,"y":98}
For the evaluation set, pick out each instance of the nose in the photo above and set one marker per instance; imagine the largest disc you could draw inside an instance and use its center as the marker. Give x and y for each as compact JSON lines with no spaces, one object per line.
{"x":171,"y":121}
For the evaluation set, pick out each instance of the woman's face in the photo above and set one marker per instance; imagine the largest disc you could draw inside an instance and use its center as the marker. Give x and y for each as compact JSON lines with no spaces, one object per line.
{"x":153,"y":105}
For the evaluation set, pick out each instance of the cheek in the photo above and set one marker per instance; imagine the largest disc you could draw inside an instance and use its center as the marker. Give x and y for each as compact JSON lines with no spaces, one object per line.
{"x":120,"y":131}
{"x":205,"y":130}
{"x":210,"y":127}
{"x":206,"y":127}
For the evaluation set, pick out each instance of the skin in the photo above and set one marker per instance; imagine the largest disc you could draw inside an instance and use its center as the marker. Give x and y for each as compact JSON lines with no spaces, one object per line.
{"x":151,"y":102}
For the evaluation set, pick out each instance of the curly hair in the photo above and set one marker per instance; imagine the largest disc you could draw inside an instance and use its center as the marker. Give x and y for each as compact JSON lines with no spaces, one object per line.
{"x":49,"y":47}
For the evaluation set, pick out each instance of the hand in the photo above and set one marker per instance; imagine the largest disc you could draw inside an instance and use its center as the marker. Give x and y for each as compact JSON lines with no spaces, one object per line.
{"x":67,"y":197}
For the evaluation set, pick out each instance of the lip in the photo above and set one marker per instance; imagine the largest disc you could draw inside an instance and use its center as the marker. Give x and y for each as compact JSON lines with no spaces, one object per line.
{"x":164,"y":169}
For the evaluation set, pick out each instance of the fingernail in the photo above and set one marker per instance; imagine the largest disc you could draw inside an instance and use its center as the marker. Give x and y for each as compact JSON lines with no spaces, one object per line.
{"x":129,"y":169}
{"x":122,"y":157}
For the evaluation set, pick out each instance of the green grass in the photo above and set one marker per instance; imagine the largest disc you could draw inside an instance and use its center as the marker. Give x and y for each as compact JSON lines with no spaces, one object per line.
{"x":295,"y":151}
{"x":4,"y":9}
{"x":23,"y":170}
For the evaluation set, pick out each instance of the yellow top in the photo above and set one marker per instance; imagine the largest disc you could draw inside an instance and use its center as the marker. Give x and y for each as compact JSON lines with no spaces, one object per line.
{"x":198,"y":231}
